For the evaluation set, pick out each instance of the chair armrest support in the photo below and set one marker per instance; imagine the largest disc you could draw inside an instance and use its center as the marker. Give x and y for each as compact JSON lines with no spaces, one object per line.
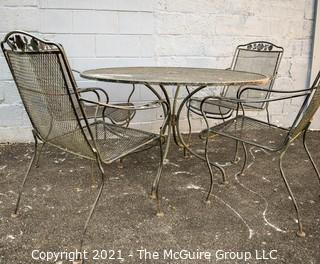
{"x":243,"y":101}
{"x":92,"y":89}
{"x":95,"y":91}
{"x":149,"y":105}
{"x":241,"y":91}
{"x":76,"y":71}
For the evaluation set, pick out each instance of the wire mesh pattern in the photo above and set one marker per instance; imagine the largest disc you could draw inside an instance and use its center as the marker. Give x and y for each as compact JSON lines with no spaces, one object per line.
{"x":113,"y":142}
{"x":253,"y":132}
{"x":43,"y":89}
{"x":263,"y":62}
{"x":258,"y":57}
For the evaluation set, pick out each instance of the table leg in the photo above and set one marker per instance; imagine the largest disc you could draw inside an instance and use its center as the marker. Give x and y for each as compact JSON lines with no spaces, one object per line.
{"x":186,"y":146}
{"x":170,"y":120}
{"x":174,"y":117}
{"x":168,"y":125}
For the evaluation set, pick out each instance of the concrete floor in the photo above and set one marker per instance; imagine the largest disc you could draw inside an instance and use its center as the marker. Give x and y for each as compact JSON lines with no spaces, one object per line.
{"x":251,"y":216}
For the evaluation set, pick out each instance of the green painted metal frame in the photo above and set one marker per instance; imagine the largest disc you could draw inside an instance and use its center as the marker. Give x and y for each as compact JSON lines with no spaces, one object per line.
{"x":299,"y":127}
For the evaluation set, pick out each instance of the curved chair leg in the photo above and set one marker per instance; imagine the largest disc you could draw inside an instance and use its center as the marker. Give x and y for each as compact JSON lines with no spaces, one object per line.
{"x":121,"y":163}
{"x":93,"y":175}
{"x":211,"y":172}
{"x":94,"y":204}
{"x":39,"y":153}
{"x":208,"y":161}
{"x":163,"y":153}
{"x":27,"y":174}
{"x":155,"y":185}
{"x":268,"y":115}
{"x":236,"y":158}
{"x":245,"y":159}
{"x":189,"y":133}
{"x":309,"y":155}
{"x":300,"y":232}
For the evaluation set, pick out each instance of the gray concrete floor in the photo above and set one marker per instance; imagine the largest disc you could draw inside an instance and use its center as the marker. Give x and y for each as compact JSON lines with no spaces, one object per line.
{"x":253,"y":212}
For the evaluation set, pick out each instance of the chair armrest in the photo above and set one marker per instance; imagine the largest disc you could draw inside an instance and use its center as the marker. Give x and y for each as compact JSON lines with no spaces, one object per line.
{"x":76,"y":71}
{"x":243,"y":101}
{"x":149,"y":105}
{"x":241,"y":91}
{"x":95,"y":91}
{"x":92,"y":89}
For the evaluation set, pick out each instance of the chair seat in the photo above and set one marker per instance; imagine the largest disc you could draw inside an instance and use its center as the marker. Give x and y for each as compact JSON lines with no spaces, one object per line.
{"x":114,"y":142}
{"x":213,"y":107}
{"x":253,"y":131}
{"x":116,"y":115}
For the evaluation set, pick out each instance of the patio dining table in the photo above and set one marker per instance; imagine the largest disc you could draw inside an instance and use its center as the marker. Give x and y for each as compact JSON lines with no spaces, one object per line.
{"x":165,"y":77}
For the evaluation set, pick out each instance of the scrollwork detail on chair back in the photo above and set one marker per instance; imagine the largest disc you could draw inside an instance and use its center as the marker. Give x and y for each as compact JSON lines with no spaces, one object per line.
{"x":260,"y":46}
{"x":25,"y":43}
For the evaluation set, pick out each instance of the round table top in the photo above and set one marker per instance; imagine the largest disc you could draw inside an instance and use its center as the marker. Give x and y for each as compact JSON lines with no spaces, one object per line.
{"x":175,"y":76}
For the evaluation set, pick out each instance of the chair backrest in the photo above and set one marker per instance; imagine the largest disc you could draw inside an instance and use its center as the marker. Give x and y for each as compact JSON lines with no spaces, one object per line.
{"x":309,"y":107}
{"x":48,"y":91}
{"x":260,"y":57}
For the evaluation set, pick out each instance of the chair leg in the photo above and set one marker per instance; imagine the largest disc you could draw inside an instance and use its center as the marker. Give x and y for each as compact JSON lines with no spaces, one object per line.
{"x":164,"y":153}
{"x":245,"y":159}
{"x":268,"y":115}
{"x":155,"y":185}
{"x":236,"y":157}
{"x":211,"y":172}
{"x":208,"y":161}
{"x":39,"y":153}
{"x":93,"y":174}
{"x":309,"y":155}
{"x":300,"y":231}
{"x":26,"y":175}
{"x":94,"y":204}
{"x":121,"y":163}
{"x":189,"y":134}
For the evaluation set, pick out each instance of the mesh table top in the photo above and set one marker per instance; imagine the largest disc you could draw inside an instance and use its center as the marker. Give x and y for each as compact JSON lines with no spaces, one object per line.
{"x":175,"y":76}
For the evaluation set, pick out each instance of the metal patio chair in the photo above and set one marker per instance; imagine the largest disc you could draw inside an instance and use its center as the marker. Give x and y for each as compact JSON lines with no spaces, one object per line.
{"x":260,"y":57}
{"x":50,"y":96}
{"x":267,"y":136}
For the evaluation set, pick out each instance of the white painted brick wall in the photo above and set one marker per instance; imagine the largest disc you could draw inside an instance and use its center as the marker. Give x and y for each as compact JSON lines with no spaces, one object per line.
{"x":12,"y":17}
{"x":91,"y":21}
{"x":135,"y":23}
{"x":113,"y":33}
{"x":230,"y":23}
{"x":55,"y":21}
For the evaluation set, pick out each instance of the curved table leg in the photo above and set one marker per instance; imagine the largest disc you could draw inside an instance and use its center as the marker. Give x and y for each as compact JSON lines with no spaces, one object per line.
{"x":189,"y":132}
{"x":167,"y":126}
{"x":173,"y":124}
{"x":182,"y":142}
{"x":163,"y":159}
{"x":174,"y":117}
